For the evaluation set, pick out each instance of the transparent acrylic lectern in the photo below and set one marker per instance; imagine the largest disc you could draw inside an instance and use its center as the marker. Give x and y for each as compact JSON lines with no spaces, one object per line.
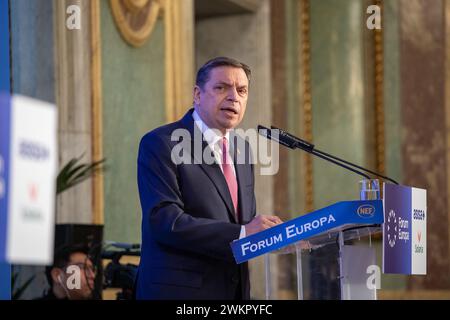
{"x":332,"y":265}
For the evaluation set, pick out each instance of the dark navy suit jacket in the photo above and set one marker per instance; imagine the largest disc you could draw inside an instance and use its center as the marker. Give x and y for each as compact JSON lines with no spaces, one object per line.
{"x":188,"y":220}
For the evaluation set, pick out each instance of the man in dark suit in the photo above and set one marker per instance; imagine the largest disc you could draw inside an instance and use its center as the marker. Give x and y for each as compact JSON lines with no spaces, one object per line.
{"x":192,"y":207}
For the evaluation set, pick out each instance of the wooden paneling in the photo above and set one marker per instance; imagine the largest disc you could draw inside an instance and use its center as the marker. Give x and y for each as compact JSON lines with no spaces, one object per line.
{"x":97,"y":111}
{"x":179,"y":57}
{"x":422,"y":49}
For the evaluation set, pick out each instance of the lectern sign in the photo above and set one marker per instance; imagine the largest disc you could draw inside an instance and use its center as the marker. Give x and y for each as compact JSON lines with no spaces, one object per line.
{"x":336,"y":216}
{"x":404,"y":230}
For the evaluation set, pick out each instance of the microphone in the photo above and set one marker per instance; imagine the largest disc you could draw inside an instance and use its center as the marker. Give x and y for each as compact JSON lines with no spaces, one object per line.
{"x":299,"y":143}
{"x":294,"y":142}
{"x":285,"y":140}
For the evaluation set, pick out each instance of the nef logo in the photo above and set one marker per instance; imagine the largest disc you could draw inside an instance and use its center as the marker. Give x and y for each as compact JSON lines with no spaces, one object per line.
{"x":366,"y":211}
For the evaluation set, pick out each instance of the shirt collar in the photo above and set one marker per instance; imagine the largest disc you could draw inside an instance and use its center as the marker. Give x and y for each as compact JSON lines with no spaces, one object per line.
{"x":211,"y":136}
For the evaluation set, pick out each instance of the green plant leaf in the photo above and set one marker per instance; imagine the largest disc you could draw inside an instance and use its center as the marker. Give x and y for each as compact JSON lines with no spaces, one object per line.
{"x":74,"y":173}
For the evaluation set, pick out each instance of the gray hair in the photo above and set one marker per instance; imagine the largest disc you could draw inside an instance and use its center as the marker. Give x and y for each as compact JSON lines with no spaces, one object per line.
{"x":204,"y":71}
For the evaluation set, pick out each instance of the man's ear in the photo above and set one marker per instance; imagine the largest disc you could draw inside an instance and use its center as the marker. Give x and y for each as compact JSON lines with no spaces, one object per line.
{"x":197,"y":92}
{"x":55,"y":273}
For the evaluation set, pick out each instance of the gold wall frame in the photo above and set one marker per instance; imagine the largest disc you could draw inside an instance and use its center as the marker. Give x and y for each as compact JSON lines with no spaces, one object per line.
{"x":179,"y":62}
{"x":379,"y":96}
{"x":447,"y":103}
{"x":306,"y":97}
{"x":135,"y":19}
{"x":179,"y":57}
{"x":97,"y":113}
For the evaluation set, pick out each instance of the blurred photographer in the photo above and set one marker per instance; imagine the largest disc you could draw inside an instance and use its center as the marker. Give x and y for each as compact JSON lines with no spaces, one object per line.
{"x":72,"y":275}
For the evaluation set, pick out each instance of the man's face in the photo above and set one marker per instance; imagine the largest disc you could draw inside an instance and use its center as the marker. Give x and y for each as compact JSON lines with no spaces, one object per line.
{"x":222,"y":101}
{"x":87,"y":276}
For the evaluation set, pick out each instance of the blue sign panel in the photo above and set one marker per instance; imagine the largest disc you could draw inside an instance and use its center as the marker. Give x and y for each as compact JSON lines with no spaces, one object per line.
{"x":405,"y":230}
{"x":397,"y":230}
{"x":5,"y":269}
{"x":304,"y":227}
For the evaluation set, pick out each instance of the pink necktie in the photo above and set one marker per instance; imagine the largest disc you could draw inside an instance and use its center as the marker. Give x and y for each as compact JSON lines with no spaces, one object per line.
{"x":229,"y":175}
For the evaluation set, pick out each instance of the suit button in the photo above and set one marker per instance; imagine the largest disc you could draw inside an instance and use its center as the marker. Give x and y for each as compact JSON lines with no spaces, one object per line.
{"x":235,"y":279}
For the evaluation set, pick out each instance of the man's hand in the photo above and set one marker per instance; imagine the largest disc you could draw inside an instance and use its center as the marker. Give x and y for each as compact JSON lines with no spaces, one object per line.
{"x":260,"y":223}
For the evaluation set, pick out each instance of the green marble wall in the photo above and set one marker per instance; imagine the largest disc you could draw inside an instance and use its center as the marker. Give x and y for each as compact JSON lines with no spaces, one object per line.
{"x":133,"y":103}
{"x":338,"y":99}
{"x":337,"y":79}
{"x":337,"y":74}
{"x":32,"y":62}
{"x":392,"y":90}
{"x":392,"y":106}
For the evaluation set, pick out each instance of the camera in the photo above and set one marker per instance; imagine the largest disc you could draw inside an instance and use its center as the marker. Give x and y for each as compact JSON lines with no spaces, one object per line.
{"x":118,"y":275}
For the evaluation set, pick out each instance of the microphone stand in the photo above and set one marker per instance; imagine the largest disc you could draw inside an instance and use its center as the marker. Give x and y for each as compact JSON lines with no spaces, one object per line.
{"x":343,"y":163}
{"x":354,"y":165}
{"x":318,"y":154}
{"x":293,"y":142}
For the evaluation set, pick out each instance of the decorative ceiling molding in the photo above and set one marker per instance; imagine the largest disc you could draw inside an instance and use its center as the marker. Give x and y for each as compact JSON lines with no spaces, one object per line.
{"x":135,"y":19}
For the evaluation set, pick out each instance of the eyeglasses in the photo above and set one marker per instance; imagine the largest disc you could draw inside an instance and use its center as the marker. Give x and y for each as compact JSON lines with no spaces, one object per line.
{"x":84,"y":266}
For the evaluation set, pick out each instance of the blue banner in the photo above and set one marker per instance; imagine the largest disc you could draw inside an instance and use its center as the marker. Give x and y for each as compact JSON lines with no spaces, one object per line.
{"x":301,"y":228}
{"x":4,"y":46}
{"x":397,"y":230}
{"x":5,"y":269}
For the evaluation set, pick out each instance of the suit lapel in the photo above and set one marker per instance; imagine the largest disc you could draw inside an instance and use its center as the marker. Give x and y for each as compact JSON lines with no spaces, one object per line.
{"x":213,"y":170}
{"x":215,"y":174}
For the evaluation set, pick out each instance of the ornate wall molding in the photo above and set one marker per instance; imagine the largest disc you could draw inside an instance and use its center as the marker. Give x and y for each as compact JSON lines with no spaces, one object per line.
{"x":379,"y":98}
{"x":179,"y":56}
{"x":73,"y":97}
{"x":306,"y":96}
{"x":97,"y":112}
{"x":135,"y":19}
{"x":447,"y":105}
{"x":423,"y":146}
